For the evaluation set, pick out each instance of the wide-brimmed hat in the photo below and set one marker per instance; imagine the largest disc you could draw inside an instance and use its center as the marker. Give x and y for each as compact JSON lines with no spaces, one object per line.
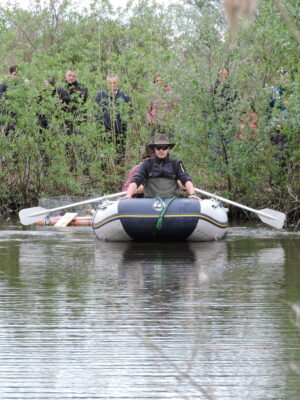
{"x":161,"y":139}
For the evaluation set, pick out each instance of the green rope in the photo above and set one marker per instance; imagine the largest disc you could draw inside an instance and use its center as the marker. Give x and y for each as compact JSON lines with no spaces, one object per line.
{"x":164,"y":208}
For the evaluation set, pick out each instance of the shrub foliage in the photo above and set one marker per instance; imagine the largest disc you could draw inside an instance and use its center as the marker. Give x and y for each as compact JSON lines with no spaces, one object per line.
{"x":187,"y":43}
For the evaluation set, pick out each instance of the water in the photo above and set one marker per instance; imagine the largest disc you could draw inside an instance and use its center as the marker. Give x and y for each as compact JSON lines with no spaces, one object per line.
{"x":82,"y":319}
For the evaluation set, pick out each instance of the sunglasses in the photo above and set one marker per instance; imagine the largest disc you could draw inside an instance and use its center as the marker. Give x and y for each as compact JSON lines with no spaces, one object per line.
{"x":161,"y":147}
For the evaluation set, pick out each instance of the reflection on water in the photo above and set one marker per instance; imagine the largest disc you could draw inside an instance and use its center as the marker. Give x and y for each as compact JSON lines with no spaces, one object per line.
{"x":85,"y":319}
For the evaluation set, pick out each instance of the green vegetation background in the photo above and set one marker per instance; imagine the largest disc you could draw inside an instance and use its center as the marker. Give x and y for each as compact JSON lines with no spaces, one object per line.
{"x":187,"y":43}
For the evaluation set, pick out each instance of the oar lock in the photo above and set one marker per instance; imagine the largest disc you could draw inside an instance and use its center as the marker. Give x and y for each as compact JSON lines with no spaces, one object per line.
{"x":47,"y":220}
{"x":218,"y":203}
{"x":104,"y":204}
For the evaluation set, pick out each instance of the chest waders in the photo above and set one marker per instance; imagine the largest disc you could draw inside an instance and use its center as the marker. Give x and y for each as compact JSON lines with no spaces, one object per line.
{"x":161,"y":187}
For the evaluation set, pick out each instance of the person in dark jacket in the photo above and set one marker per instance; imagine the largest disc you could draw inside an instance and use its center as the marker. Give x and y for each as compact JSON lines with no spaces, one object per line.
{"x":160,"y":174}
{"x":8,"y":118}
{"x":224,"y":96}
{"x":3,"y":88}
{"x":224,"y":101}
{"x":13,"y":73}
{"x":73,"y":96}
{"x":115,"y":110}
{"x":48,"y":90}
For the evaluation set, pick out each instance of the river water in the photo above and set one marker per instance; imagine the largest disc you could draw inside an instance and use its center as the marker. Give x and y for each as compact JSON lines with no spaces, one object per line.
{"x":83,"y":319}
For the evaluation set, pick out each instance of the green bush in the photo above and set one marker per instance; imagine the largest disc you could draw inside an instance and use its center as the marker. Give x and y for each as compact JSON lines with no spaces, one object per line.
{"x":187,"y":44}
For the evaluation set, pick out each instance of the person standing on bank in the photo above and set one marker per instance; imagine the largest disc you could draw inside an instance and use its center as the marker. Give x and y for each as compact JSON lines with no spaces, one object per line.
{"x":73,"y":97}
{"x":160,"y":174}
{"x":161,"y":112}
{"x":13,"y":73}
{"x":115,"y":111}
{"x":8,"y":115}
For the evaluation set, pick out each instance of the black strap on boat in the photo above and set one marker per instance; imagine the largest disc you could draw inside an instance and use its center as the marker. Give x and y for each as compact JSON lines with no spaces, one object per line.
{"x":164,"y":208}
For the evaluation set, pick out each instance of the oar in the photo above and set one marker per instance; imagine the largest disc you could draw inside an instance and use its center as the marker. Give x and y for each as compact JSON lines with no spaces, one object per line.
{"x":31,"y":215}
{"x":267,"y":215}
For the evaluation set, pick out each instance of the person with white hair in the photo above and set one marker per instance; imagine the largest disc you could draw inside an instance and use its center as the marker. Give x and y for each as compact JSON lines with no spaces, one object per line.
{"x":114,"y":112}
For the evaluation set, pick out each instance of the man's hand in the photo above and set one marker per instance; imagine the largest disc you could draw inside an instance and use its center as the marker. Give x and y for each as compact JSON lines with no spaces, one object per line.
{"x":194,"y":196}
{"x":127,"y":196}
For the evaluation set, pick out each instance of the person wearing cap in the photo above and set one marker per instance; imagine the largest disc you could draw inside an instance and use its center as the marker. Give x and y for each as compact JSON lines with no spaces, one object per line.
{"x":159,"y":174}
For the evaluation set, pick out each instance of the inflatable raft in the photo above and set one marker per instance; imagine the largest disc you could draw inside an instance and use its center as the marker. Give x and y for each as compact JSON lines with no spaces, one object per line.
{"x":156,"y":219}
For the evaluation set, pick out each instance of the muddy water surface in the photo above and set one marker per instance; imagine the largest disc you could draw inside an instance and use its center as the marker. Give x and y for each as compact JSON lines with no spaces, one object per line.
{"x":81,"y":319}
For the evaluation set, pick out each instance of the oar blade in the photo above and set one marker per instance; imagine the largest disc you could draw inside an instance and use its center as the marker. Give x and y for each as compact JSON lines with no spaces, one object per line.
{"x":31,"y":215}
{"x":276,"y":219}
{"x":267,"y":215}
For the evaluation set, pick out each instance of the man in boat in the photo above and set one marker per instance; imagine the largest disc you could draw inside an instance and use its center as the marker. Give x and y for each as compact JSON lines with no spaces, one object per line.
{"x":159,"y":174}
